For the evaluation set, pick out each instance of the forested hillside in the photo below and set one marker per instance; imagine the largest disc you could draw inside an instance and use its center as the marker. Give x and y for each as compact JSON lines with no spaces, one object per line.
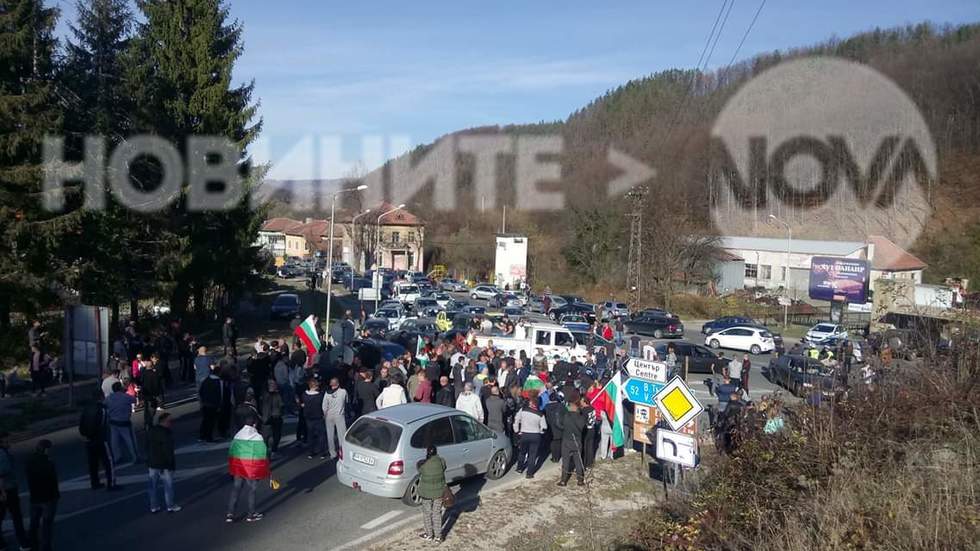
{"x":665,"y":120}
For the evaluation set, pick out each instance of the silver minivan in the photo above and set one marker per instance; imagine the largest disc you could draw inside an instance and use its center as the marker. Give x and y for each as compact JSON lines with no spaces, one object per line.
{"x":381,"y":451}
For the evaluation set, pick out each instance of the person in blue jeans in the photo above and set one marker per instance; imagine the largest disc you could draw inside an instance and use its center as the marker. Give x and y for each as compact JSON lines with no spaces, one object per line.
{"x":161,"y":461}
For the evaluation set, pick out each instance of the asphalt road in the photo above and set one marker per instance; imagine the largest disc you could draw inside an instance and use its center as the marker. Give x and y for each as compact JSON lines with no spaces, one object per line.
{"x":312,"y":510}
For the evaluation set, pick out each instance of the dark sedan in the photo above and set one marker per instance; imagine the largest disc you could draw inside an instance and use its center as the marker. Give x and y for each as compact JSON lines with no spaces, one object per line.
{"x":699,"y":358}
{"x":580,"y":308}
{"x":413,"y":328}
{"x":801,"y":375}
{"x":725,"y":322}
{"x":286,"y":305}
{"x":656,"y":326}
{"x":376,"y":328}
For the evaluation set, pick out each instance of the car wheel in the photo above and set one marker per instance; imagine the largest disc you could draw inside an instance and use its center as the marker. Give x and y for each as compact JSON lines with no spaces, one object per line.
{"x":498,"y":466}
{"x":755,"y":350}
{"x":713,"y":343}
{"x":658,"y":334}
{"x":412,"y":497}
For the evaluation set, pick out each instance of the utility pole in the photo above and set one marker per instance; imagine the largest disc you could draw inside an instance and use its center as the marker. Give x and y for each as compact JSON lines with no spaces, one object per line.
{"x":634,"y":267}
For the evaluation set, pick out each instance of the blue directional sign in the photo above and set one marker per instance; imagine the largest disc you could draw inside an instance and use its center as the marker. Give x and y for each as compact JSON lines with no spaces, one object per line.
{"x":641,"y":391}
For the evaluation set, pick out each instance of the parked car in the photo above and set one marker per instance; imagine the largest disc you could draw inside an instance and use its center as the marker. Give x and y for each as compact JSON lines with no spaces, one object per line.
{"x":502,"y":300}
{"x":474,"y":310}
{"x":381,"y":450}
{"x":393,"y":317}
{"x":442,"y":299}
{"x":376,"y":328}
{"x":371,"y":352}
{"x":575,"y":322}
{"x":800,"y":374}
{"x":411,"y":329}
{"x":453,"y":285}
{"x":655,"y":325}
{"x":699,"y":358}
{"x":750,"y":339}
{"x":286,"y":305}
{"x":513,"y":312}
{"x":823,"y":331}
{"x":290,"y":272}
{"x":484,"y":292}
{"x":654,"y":312}
{"x":726,"y":322}
{"x":426,"y":307}
{"x":580,"y":308}
{"x":613,"y":309}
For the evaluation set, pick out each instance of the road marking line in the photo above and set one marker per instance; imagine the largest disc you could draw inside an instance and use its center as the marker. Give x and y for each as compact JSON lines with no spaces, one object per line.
{"x":381,"y":520}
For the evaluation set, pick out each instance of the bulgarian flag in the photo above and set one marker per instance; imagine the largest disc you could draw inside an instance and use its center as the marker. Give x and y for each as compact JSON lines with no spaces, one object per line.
{"x":610,"y":400}
{"x":533,"y":382}
{"x":306,"y":332}
{"x":248,"y":457}
{"x":419,"y":356}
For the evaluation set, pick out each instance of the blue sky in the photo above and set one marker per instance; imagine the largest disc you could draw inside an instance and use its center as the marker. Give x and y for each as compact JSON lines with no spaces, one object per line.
{"x":408,"y":72}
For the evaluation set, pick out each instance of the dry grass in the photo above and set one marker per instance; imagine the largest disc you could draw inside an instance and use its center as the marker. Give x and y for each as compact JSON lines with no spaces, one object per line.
{"x":893,"y":469}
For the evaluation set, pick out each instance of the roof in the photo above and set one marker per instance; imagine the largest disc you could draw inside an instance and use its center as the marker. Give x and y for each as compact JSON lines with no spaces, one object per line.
{"x":280,"y":225}
{"x":400,"y":217}
{"x":722,"y":255}
{"x":801,"y":246}
{"x":410,"y":413}
{"x":889,"y":257}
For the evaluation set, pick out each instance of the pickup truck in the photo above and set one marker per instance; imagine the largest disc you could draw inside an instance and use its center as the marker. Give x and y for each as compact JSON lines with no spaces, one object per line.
{"x":552,"y":339}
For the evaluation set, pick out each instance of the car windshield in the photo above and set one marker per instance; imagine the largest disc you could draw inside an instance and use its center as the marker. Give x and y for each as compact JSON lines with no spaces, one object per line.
{"x":409,"y":289}
{"x":824,"y":328}
{"x":287,"y":300}
{"x":374,"y":434}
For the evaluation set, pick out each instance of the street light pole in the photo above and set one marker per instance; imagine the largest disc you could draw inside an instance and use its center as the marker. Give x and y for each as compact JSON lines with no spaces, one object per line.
{"x":377,"y":255}
{"x":789,"y":248}
{"x":333,"y":216}
{"x":353,"y":233}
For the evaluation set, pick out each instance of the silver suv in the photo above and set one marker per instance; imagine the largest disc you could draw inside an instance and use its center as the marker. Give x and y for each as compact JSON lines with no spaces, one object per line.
{"x":382,"y":450}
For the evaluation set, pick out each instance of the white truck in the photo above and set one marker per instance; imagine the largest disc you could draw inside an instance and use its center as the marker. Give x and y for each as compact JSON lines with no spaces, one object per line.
{"x":552,"y":339}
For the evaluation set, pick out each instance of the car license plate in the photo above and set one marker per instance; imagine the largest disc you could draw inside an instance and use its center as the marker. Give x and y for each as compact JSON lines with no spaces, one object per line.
{"x":363,"y":459}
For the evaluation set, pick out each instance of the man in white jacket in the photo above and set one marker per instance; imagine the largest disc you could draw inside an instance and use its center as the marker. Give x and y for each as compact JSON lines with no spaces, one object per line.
{"x":469,"y":402}
{"x":392,"y":395}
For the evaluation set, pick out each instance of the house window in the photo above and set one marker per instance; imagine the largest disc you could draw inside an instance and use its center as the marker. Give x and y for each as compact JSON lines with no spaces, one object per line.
{"x":765,"y":271}
{"x":411,"y":237}
{"x":751,"y":271}
{"x":395,"y":237}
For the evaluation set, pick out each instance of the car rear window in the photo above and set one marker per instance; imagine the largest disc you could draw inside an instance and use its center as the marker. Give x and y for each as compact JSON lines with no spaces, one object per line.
{"x":374,"y":434}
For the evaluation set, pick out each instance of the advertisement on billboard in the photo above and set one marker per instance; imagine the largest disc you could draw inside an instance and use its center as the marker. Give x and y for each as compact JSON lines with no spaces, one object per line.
{"x":836,"y":279}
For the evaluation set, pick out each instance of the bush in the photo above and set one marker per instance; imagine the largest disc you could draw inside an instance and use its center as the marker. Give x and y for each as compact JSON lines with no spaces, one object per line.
{"x":895,"y":468}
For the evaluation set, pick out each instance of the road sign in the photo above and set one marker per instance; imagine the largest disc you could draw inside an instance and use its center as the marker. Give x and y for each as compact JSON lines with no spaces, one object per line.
{"x":645,"y":369}
{"x":676,"y":447}
{"x":642,"y":391}
{"x":677,"y":403}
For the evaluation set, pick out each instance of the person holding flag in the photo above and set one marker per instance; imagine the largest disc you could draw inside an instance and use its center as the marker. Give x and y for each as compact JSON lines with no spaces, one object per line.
{"x":248,"y":462}
{"x":609,"y":402}
{"x":420,"y":353}
{"x":308,"y":336}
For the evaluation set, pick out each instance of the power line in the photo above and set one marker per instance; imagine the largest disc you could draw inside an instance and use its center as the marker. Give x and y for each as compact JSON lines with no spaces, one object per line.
{"x":746,"y":34}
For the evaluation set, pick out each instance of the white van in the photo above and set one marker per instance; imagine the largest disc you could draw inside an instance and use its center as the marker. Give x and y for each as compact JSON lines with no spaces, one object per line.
{"x":407,"y":292}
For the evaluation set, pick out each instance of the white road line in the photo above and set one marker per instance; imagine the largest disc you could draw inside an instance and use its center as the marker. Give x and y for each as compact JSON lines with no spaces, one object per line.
{"x":381,"y":520}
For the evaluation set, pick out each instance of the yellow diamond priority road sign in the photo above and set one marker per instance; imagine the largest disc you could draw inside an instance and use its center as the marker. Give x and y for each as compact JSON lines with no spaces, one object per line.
{"x":677,"y":403}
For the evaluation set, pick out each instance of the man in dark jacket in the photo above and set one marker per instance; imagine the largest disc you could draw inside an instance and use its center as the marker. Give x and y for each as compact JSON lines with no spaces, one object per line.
{"x":93,"y":425}
{"x":9,"y":494}
{"x":211,"y":396}
{"x":366,"y":393}
{"x":554,"y":412}
{"x":496,"y":410}
{"x":446,"y":395}
{"x":259,"y":369}
{"x":229,"y":337}
{"x":571,"y":445}
{"x":161,"y":461}
{"x":316,"y":427}
{"x":42,"y":481}
{"x":151,"y":389}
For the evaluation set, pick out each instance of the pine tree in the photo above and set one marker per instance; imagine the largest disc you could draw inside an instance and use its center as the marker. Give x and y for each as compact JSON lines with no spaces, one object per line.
{"x":181,"y":69}
{"x":28,"y":111}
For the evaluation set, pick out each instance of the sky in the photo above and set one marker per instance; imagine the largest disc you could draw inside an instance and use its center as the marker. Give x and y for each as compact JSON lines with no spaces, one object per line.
{"x":393,"y":74}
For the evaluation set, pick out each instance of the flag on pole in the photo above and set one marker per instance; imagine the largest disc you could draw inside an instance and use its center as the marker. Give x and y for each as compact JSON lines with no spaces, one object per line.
{"x":306,"y":332}
{"x":419,"y":356}
{"x":610,"y":401}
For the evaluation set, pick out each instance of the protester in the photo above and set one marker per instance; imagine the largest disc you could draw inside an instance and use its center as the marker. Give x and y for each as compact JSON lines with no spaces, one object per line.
{"x":446,"y":395}
{"x":119,"y":407}
{"x":42,"y":483}
{"x":161,"y":461}
{"x":468,"y":402}
{"x":202,"y":366}
{"x":496,"y":409}
{"x":210,"y":395}
{"x":151,"y":390}
{"x":572,"y":445}
{"x":366,"y":393}
{"x":313,"y":414}
{"x":93,"y":425}
{"x":529,"y":424}
{"x":10,"y":494}
{"x":393,"y":394}
{"x":432,"y":488}
{"x":335,"y":416}
{"x":248,"y":462}
{"x":229,"y":337}
{"x":272,"y":409}
{"x":553,"y":413}
{"x":746,"y":368}
{"x":423,"y":391}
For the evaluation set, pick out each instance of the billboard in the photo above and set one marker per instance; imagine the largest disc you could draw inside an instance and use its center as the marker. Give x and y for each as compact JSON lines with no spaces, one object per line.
{"x":510,"y":264}
{"x":839,"y":279}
